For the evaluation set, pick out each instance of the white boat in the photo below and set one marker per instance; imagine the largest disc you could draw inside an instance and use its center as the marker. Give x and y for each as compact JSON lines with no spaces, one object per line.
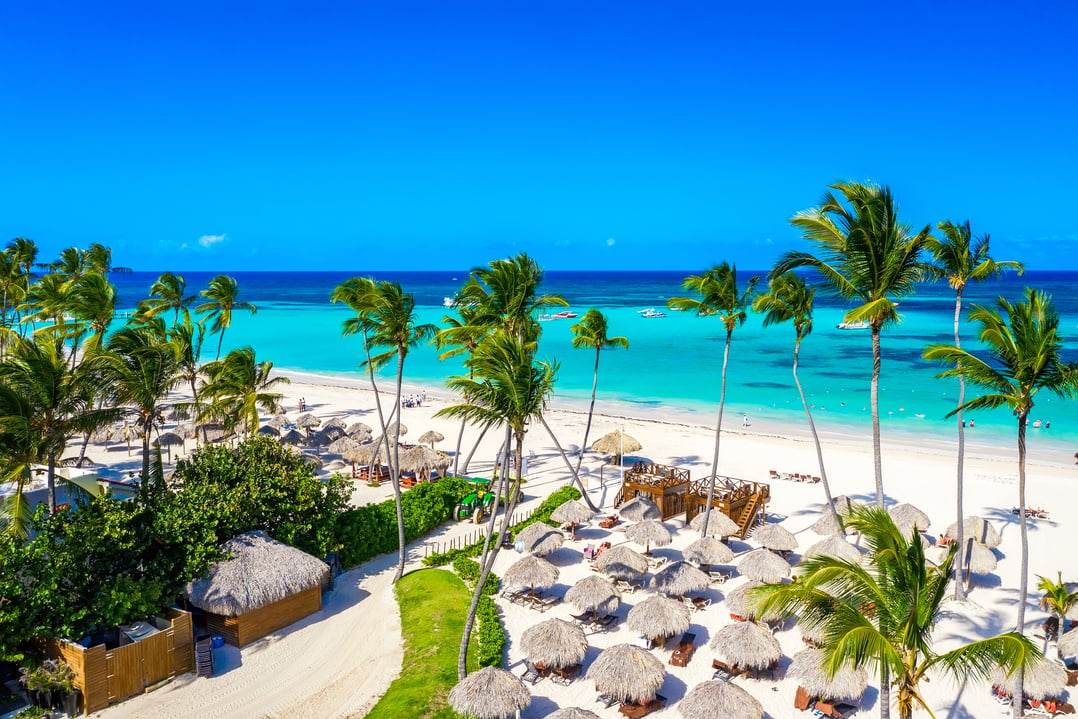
{"x":447,"y":302}
{"x":859,"y":325}
{"x":651,"y":312}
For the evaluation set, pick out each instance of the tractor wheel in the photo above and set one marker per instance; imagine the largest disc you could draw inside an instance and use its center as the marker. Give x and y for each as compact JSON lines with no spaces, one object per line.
{"x":477,"y":517}
{"x":459,"y":513}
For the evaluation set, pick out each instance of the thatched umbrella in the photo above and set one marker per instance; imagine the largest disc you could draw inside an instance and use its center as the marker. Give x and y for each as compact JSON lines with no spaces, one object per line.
{"x":489,"y":693}
{"x":269,"y":431}
{"x":330,"y":434}
{"x":431,"y":436}
{"x":718,"y":525}
{"x":1068,"y":644}
{"x":279,"y":420}
{"x":658,"y":617}
{"x":540,"y":538}
{"x":976,"y":559}
{"x":554,"y":643}
{"x":359,"y":428}
{"x":365,"y":454}
{"x":908,"y":517}
{"x":571,"y":511}
{"x":593,"y":592}
{"x":978,"y":529}
{"x":258,"y":571}
{"x":648,"y":532}
{"x":764,"y":565}
{"x":616,"y":443}
{"x":627,"y":673}
{"x":214,"y":432}
{"x":808,"y":667}
{"x":102,"y":434}
{"x":293,"y":437}
{"x":396,"y":429}
{"x":127,"y":433}
{"x":717,"y":699}
{"x":774,"y":537}
{"x":341,"y":445}
{"x":1046,"y":679}
{"x":679,"y":578}
{"x":532,"y":572}
{"x":168,"y":440}
{"x":746,"y":645}
{"x":177,"y":414}
{"x":336,"y":422}
{"x":573,"y":713}
{"x":622,"y":562}
{"x":827,"y":524}
{"x":834,"y":546}
{"x":422,"y":460}
{"x":187,"y":431}
{"x":737,"y":601}
{"x":308,"y":421}
{"x":638,"y":509}
{"x":708,"y":551}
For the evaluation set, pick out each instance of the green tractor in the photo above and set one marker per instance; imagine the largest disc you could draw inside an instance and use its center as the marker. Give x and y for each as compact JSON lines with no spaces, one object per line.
{"x":477,"y":504}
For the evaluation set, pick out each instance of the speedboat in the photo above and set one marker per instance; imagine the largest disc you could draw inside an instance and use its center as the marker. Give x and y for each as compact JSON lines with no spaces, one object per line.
{"x":858,"y":325}
{"x":447,"y":302}
{"x":651,"y":312}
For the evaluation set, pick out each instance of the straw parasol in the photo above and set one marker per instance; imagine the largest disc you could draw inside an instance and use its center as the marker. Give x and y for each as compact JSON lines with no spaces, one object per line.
{"x":627,"y":673}
{"x":834,"y":546}
{"x":431,"y":436}
{"x":1068,"y":644}
{"x":977,"y":528}
{"x":330,"y":434}
{"x":554,"y":643}
{"x":176,"y":414}
{"x":808,"y":667}
{"x":168,"y":440}
{"x":308,"y":421}
{"x":719,"y":700}
{"x":540,"y":538}
{"x":489,"y":693}
{"x":593,"y":592}
{"x":718,"y":525}
{"x":976,"y":559}
{"x":573,"y":713}
{"x":365,"y":454}
{"x":342,"y":444}
{"x":422,"y":459}
{"x":648,"y":532}
{"x":359,"y":428}
{"x":269,"y":431}
{"x":293,"y":437}
{"x":638,"y":509}
{"x":746,"y":646}
{"x":397,"y":429}
{"x":1046,"y":679}
{"x":908,"y":518}
{"x":336,"y":422}
{"x":571,"y":511}
{"x":259,"y":571}
{"x":708,"y":551}
{"x":658,"y":617}
{"x":127,"y":433}
{"x":737,"y":602}
{"x":279,"y":420}
{"x":622,"y":562}
{"x":532,"y":572}
{"x":616,"y":443}
{"x":679,"y":578}
{"x":764,"y":565}
{"x":102,"y":434}
{"x":826,"y":524}
{"x":774,"y":537}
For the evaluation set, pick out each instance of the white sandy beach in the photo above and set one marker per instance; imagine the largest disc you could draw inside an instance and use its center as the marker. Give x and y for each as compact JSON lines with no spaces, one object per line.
{"x":339,"y":661}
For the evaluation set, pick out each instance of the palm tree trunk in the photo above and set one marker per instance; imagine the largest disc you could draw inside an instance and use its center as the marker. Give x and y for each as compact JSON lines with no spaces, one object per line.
{"x":147,"y":427}
{"x":395,"y":476}
{"x":718,"y":434}
{"x":815,"y":436}
{"x":959,"y":586}
{"x":591,"y":413}
{"x":51,"y":482}
{"x":468,"y":459}
{"x":1023,"y":579}
{"x":885,"y":692}
{"x":874,"y":399}
{"x":456,"y":454}
{"x":574,"y":472}
{"x":220,"y":341}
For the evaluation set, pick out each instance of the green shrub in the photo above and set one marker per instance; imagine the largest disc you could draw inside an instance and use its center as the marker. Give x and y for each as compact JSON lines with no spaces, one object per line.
{"x":491,"y":632}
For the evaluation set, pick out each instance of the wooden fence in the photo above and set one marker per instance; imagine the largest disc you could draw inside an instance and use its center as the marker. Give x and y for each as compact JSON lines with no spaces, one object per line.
{"x":471,"y":537}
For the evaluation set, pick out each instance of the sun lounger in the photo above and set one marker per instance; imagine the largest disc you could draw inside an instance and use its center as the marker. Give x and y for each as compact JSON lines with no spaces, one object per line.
{"x":718,"y":576}
{"x":606,"y":700}
{"x":633,"y":711}
{"x":609,"y":522}
{"x":722,"y":671}
{"x":589,"y":552}
{"x":685,"y":649}
{"x":606,"y":622}
{"x":627,"y":586}
{"x":565,"y":676}
{"x":531,"y":674}
{"x":545,"y":603}
{"x":582,"y":618}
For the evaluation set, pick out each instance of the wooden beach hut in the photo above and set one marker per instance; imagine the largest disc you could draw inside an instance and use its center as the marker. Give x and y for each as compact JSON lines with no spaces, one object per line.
{"x":264,"y":585}
{"x":665,"y":486}
{"x":743,"y":501}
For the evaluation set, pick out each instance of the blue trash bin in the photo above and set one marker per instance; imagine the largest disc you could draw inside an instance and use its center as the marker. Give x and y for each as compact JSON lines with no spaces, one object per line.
{"x":217,"y":641}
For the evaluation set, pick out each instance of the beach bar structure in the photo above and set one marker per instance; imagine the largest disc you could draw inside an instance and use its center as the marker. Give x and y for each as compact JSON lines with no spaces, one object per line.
{"x":664,"y":486}
{"x":123,"y":662}
{"x":743,"y":501}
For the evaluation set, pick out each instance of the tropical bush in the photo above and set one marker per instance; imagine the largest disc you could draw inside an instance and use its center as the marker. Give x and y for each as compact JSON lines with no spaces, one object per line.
{"x":491,"y":632}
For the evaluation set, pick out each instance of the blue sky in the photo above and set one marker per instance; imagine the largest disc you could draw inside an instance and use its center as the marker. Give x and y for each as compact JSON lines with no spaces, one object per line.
{"x":415,"y":135}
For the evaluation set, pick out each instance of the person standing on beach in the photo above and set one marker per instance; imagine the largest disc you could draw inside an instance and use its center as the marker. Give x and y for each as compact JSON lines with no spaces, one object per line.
{"x":745,"y":421}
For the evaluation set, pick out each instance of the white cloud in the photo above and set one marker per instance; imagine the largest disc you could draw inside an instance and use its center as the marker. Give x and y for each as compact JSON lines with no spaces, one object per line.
{"x":610,"y":242}
{"x":210,"y":240}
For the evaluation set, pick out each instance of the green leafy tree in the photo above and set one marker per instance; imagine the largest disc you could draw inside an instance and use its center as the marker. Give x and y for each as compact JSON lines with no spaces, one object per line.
{"x":717,"y":294}
{"x":460,"y":336}
{"x":592,"y":333}
{"x":92,"y":304}
{"x":22,"y":443}
{"x":168,"y":292}
{"x":1057,"y":598}
{"x":188,"y":338}
{"x":880,"y":614}
{"x":238,"y":386}
{"x":222,"y":297}
{"x":505,"y":295}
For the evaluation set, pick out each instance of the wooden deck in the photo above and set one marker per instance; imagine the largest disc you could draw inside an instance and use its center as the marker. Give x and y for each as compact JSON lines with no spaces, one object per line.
{"x":743,"y":501}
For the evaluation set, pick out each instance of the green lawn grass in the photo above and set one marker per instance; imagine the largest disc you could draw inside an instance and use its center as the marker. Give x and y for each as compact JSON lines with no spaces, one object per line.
{"x":434,"y":604}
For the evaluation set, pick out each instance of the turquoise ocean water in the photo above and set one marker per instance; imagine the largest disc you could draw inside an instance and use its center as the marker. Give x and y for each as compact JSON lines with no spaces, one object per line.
{"x":672,"y":367}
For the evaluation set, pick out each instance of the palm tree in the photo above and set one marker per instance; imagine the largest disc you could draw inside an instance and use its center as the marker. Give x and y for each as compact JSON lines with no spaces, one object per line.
{"x":505,"y":294}
{"x":239,"y":385}
{"x":962,"y":260}
{"x":591,"y":333}
{"x":46,"y":301}
{"x":866,"y":255}
{"x":790,"y":299}
{"x":461,"y":336}
{"x":168,"y":292}
{"x":718,"y":294}
{"x":1024,"y":357}
{"x":23,"y":253}
{"x":92,"y":303}
{"x":880,"y":613}
{"x":221,"y":295}
{"x":22,"y":443}
{"x":188,"y":338}
{"x":1057,"y":598}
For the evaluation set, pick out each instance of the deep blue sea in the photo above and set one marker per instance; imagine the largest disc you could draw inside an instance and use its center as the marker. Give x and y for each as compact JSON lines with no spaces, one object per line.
{"x":673,"y":364}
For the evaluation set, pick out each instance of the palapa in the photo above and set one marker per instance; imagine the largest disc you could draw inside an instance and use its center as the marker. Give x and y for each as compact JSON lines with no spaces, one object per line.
{"x":774,"y":537}
{"x":364,"y":454}
{"x":430,"y":436}
{"x":649,"y":532}
{"x":834,"y":546}
{"x":827,"y":524}
{"x":269,"y":431}
{"x":422,"y":459}
{"x":977,"y":528}
{"x":679,"y":578}
{"x":328,"y":435}
{"x":622,"y":562}
{"x":308,"y":421}
{"x":764,"y":565}
{"x":1068,"y":644}
{"x":178,"y":414}
{"x":808,"y":667}
{"x":397,"y":429}
{"x":717,"y":699}
{"x":617,"y":443}
{"x":293,"y":437}
{"x":554,"y":643}
{"x":540,"y":538}
{"x":573,"y":713}
{"x":342,"y":445}
{"x":627,"y":673}
{"x":658,"y":617}
{"x":359,"y":428}
{"x":746,"y":645}
{"x":909,"y":518}
{"x":638,"y":509}
{"x":718,"y":524}
{"x":571,"y":511}
{"x":1046,"y":679}
{"x":531,"y":571}
{"x":168,"y":440}
{"x":708,"y":551}
{"x":279,"y":420}
{"x":102,"y":434}
{"x":336,"y":422}
{"x":259,"y":570}
{"x":489,"y":693}
{"x":739,"y":602}
{"x":595,"y":593}
{"x":976,"y":559}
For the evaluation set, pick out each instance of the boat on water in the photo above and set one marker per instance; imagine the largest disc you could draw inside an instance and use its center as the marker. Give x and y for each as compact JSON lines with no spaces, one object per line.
{"x":651,"y":312}
{"x":859,"y":325}
{"x":565,"y":315}
{"x":447,"y":302}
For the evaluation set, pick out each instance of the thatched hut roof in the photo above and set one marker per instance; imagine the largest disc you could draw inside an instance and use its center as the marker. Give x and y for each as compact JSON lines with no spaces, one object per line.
{"x":269,"y":431}
{"x":337,"y":422}
{"x":679,"y":578}
{"x":424,"y":459}
{"x":979,"y":529}
{"x":834,"y":546}
{"x":342,"y":445}
{"x":593,"y":592}
{"x":774,"y":537}
{"x":746,"y":645}
{"x":627,"y":673}
{"x":326,"y":436}
{"x":531,"y":571}
{"x":279,"y":420}
{"x":648,"y":532}
{"x":826,"y":524}
{"x":308,"y":421}
{"x":764,"y":565}
{"x":658,"y":617}
{"x":908,"y":517}
{"x":616,"y":443}
{"x":293,"y":437}
{"x":738,"y":602}
{"x":573,"y":713}
{"x":489,"y":693}
{"x":977,"y":558}
{"x":1046,"y":679}
{"x":259,"y":571}
{"x":359,"y":428}
{"x":571,"y":511}
{"x":1068,"y":644}
{"x":638,"y":509}
{"x":808,"y":667}
{"x":717,"y":699}
{"x":555,"y":643}
{"x":622,"y":562}
{"x":169,"y":439}
{"x":708,"y":550}
{"x":396,"y":429}
{"x":540,"y":538}
{"x":430,"y":437}
{"x":718,"y":525}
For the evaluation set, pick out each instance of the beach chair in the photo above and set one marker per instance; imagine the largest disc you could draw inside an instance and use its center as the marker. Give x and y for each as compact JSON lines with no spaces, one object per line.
{"x":531,"y":674}
{"x":609,"y":522}
{"x":546,"y":602}
{"x":718,"y":576}
{"x":606,"y":700}
{"x":802,"y":700}
{"x":634,"y":711}
{"x":722,"y":671}
{"x":589,"y":552}
{"x":565,"y":676}
{"x":582,"y":618}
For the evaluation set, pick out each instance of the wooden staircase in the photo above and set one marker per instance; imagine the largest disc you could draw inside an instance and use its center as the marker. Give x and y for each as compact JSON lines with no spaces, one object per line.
{"x":748,"y":514}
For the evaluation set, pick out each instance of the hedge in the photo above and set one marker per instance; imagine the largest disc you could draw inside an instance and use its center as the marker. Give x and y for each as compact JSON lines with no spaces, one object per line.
{"x":491,"y":632}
